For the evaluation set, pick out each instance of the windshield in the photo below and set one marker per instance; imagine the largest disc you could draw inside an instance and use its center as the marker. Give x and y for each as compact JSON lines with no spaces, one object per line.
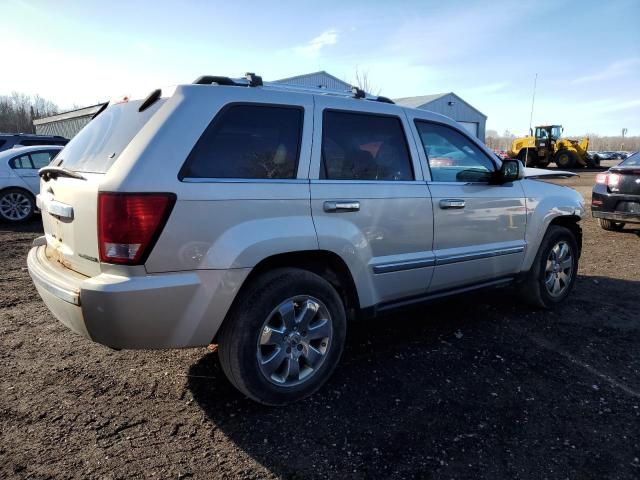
{"x":632,"y":161}
{"x":556,"y":132}
{"x":103,"y":139}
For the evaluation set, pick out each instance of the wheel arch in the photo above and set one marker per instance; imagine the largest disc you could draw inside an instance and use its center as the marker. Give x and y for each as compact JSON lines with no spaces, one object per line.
{"x":324,"y":263}
{"x":571,"y":222}
{"x":18,"y":187}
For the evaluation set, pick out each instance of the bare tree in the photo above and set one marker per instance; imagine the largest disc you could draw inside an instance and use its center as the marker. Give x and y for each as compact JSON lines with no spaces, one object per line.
{"x":17,"y":112}
{"x":363,"y":83}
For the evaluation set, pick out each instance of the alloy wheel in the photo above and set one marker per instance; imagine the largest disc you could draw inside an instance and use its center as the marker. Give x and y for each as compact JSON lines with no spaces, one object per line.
{"x":559,"y":269}
{"x":15,"y":206}
{"x":294,"y":341}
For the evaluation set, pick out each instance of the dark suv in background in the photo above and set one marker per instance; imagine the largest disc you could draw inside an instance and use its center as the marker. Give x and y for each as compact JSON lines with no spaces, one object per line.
{"x":10,"y":140}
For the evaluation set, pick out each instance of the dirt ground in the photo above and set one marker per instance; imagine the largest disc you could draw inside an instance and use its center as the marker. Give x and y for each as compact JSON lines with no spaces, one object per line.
{"x":478,"y":388}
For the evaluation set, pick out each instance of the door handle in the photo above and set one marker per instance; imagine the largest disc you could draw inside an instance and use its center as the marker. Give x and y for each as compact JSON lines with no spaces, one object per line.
{"x":342,"y":206}
{"x":451,"y":203}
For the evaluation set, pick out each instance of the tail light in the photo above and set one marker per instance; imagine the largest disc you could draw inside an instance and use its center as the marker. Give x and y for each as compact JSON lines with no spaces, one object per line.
{"x":610,"y":179}
{"x":130,"y":223}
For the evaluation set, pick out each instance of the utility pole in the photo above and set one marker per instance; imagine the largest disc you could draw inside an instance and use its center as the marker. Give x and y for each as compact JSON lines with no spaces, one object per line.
{"x":624,"y":132}
{"x":533,"y":100}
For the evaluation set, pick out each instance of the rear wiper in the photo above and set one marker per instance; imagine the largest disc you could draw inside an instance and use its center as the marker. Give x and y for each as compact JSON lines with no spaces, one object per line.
{"x":47,"y":173}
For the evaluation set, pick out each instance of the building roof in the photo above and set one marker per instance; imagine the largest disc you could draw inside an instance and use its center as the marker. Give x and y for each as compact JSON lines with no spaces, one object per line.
{"x":300,"y":79}
{"x":79,"y":112}
{"x":415,"y":102}
{"x":422,"y":100}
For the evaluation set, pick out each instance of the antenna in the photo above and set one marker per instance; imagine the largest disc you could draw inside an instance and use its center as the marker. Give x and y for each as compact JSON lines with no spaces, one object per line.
{"x":533,"y":100}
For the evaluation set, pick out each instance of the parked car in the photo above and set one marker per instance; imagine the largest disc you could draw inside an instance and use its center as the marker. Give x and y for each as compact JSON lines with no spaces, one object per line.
{"x":263,"y":218}
{"x":501,"y":154}
{"x":11,"y":140}
{"x":615,"y":199}
{"x":19,"y":181}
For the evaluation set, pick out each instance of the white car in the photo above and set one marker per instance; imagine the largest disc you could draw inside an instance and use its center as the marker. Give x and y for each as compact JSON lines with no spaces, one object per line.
{"x":19,"y":181}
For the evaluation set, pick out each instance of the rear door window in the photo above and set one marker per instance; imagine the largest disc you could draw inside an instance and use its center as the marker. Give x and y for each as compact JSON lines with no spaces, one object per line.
{"x":358,"y":146}
{"x":41,"y":159}
{"x":250,"y":142}
{"x":102,"y":140}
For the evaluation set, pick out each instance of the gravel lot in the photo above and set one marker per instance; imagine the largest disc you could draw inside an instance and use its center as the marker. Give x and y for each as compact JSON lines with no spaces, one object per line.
{"x":479,"y":388}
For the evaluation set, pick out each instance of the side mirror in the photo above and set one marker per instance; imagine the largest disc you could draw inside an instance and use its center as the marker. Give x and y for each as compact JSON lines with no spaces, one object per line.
{"x":510,"y":171}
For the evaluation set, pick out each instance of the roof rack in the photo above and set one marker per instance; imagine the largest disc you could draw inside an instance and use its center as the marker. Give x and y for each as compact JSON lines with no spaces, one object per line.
{"x":252,"y":80}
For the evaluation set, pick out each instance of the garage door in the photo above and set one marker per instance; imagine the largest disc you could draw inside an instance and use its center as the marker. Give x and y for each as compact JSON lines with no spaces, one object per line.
{"x":471,"y":127}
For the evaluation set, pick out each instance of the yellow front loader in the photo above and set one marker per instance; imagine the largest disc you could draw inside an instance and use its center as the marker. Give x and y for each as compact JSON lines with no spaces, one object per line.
{"x":547,"y":146}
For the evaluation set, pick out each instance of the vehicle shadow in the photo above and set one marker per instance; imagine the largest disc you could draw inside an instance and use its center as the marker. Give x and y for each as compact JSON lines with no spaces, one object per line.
{"x":457,"y":389}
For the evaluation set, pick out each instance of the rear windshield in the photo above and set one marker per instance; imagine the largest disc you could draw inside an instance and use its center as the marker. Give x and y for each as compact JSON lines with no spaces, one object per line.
{"x":103,"y":139}
{"x":632,"y":161}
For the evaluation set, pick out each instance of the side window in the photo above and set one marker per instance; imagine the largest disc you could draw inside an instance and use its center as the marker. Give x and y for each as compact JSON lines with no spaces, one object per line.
{"x":452,"y":156}
{"x":248,"y":141}
{"x":20,"y":163}
{"x":357,"y":146}
{"x":40,"y":159}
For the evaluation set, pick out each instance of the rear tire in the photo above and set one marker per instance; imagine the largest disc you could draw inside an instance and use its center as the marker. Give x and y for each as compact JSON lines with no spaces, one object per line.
{"x":610,"y":225}
{"x":566,"y":159}
{"x":554,"y":269}
{"x":16,"y":205}
{"x":266,"y":347}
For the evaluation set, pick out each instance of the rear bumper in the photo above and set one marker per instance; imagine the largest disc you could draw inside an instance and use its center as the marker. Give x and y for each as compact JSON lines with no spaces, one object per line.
{"x":618,"y":216}
{"x":170,"y":310}
{"x":610,"y":205}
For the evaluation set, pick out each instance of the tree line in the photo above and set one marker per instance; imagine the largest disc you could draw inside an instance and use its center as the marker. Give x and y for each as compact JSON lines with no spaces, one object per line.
{"x":18,"y":111}
{"x":596,"y":142}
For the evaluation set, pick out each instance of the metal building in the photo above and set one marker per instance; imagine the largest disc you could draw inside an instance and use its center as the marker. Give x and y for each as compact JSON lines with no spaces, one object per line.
{"x":66,"y":124}
{"x":452,"y":106}
{"x":319,"y":79}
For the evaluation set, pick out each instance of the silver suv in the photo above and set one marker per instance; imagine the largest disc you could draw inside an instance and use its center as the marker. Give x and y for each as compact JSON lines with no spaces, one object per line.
{"x":264,"y":218}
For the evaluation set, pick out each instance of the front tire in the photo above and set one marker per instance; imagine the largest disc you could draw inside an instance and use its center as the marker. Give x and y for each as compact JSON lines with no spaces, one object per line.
{"x":566,"y":159}
{"x":283,"y":337}
{"x":610,"y":225}
{"x":554,"y":270}
{"x":16,"y":205}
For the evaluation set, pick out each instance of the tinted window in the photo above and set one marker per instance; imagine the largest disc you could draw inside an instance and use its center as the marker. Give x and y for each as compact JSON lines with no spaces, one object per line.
{"x":452,"y":156}
{"x":248,"y":141}
{"x":41,"y":159}
{"x":364,"y":147}
{"x":29,"y":143}
{"x":2,"y":142}
{"x":632,"y":161}
{"x":21,"y":162}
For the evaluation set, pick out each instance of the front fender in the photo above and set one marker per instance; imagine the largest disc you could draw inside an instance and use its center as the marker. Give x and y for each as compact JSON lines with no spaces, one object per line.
{"x":546,"y":202}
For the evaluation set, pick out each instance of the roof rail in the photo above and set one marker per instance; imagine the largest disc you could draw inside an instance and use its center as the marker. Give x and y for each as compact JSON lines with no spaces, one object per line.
{"x":252,"y":80}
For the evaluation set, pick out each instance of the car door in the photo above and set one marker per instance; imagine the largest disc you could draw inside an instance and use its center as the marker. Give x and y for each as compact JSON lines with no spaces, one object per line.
{"x":479,"y":226}
{"x":368,"y":198}
{"x":23,"y":168}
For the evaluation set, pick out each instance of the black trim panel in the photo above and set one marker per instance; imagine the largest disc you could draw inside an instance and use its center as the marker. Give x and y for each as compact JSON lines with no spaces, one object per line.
{"x":386,"y":307}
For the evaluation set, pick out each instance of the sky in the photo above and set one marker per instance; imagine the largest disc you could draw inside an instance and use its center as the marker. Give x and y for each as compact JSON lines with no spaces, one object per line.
{"x":586,"y":53}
